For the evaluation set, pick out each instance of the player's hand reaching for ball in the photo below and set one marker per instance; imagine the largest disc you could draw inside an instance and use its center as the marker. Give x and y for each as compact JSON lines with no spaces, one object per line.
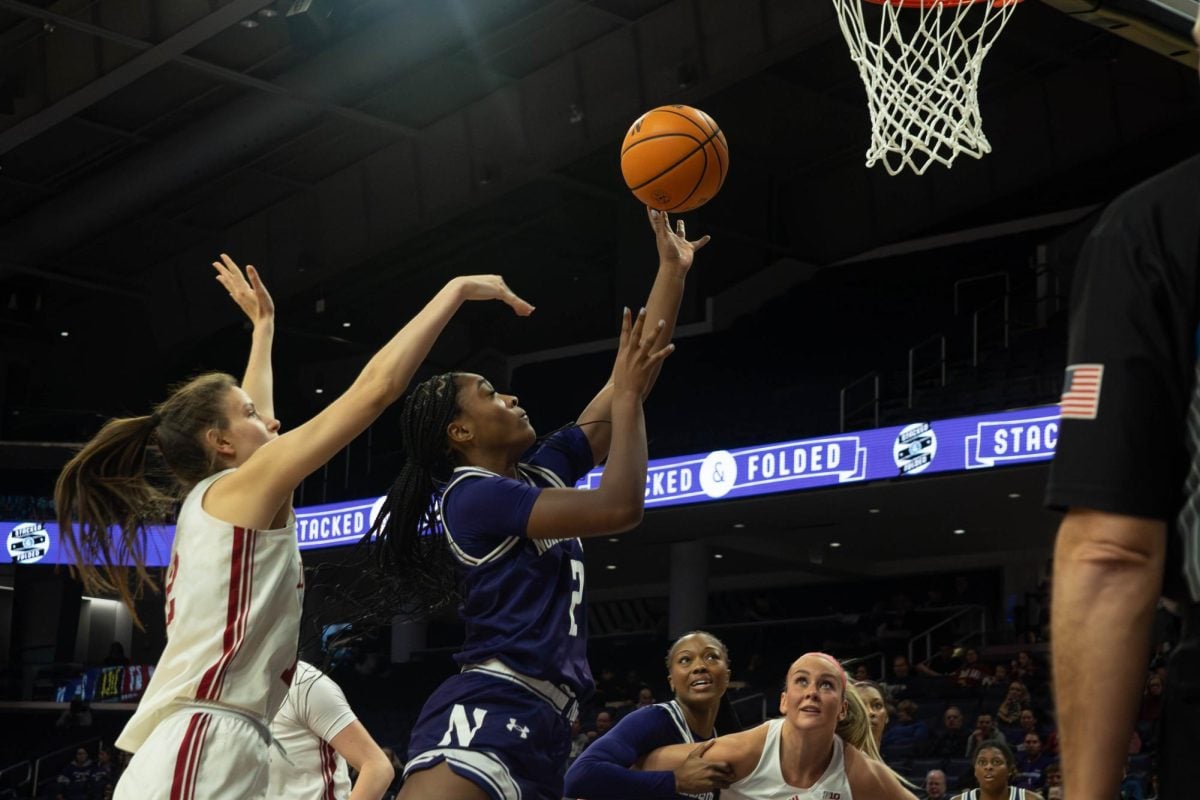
{"x":490,"y":287}
{"x":638,"y":354}
{"x":674,"y":249}
{"x":696,"y":776}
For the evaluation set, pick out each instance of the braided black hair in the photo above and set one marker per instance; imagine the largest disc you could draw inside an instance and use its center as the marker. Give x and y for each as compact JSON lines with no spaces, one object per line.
{"x":407,"y":538}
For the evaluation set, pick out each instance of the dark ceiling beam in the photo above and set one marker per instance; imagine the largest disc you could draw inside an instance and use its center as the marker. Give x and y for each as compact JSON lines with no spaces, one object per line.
{"x":174,"y":46}
{"x":416,"y":33}
{"x":153,"y":56}
{"x":10,"y":267}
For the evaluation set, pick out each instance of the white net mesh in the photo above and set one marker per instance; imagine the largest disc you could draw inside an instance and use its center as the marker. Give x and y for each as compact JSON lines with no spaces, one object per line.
{"x":921,"y":71}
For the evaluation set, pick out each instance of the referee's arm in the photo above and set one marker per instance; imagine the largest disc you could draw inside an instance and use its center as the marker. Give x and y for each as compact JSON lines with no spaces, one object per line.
{"x":1107,"y":579}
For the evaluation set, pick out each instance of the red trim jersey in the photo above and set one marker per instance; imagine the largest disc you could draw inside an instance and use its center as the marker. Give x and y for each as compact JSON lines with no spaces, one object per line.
{"x":233,"y":602}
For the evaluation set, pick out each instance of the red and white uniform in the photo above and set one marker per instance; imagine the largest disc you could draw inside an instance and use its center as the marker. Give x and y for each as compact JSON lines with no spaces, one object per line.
{"x":233,"y":602}
{"x":314,"y":712}
{"x":766,"y":781}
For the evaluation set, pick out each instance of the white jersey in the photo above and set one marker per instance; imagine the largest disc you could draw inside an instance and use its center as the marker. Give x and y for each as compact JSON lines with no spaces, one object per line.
{"x":314,"y":712}
{"x":1013,"y":794}
{"x":766,"y":781}
{"x":233,"y":601}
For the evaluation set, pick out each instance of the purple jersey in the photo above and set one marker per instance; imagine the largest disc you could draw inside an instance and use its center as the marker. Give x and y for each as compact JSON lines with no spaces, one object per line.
{"x":603,"y":771}
{"x":523,"y":598}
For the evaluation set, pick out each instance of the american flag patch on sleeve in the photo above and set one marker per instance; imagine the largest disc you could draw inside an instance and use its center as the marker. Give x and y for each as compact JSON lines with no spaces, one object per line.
{"x":1081,"y":391}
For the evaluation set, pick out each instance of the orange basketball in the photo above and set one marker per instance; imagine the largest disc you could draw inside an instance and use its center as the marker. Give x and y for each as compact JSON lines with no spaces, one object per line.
{"x":674,"y":158}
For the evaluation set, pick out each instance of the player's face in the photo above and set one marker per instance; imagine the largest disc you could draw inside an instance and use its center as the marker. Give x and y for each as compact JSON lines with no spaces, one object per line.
{"x":492,"y":419}
{"x":814,"y":696}
{"x":246,"y":430}
{"x":876,"y":709}
{"x":699,"y":673}
{"x":991,"y":770}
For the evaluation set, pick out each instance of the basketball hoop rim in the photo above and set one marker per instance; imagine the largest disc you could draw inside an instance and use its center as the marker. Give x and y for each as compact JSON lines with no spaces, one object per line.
{"x":945,"y":3}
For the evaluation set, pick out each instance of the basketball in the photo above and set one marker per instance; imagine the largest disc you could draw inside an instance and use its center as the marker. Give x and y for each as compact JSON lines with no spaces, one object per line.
{"x":674,"y":158}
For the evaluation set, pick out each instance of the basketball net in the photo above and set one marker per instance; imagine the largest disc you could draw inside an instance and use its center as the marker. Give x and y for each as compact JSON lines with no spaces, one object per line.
{"x":922,"y":76}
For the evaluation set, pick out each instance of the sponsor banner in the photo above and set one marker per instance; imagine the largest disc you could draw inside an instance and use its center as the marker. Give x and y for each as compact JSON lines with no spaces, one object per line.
{"x":921,"y":448}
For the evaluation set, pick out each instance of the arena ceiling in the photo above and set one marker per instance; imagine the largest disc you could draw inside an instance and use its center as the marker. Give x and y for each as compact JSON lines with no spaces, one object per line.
{"x":363,"y":151}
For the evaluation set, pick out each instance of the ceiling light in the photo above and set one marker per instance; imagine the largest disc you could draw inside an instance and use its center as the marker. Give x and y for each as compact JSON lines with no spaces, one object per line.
{"x":610,"y":566}
{"x":718,"y":555}
{"x":835,"y":544}
{"x":613,"y":539}
{"x":319,"y":390}
{"x":64,"y":333}
{"x":872,"y":510}
{"x":959,"y":531}
{"x":268,"y":13}
{"x":1014,"y":495}
{"x":345,"y":324}
{"x":248,"y":23}
{"x":739,"y":525}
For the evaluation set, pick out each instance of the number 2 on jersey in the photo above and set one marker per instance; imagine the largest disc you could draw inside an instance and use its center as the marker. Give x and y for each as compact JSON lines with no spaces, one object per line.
{"x":576,"y":594}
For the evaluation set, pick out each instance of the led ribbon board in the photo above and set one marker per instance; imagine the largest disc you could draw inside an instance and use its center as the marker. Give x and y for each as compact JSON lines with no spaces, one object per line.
{"x":921,"y":448}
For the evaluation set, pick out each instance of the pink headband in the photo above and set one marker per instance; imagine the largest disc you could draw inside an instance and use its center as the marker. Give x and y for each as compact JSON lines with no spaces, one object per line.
{"x":832,"y":660}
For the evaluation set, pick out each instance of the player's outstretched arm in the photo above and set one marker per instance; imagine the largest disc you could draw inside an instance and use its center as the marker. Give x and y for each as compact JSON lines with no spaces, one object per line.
{"x":253,"y":494}
{"x":617,"y":504}
{"x":252,"y":297}
{"x":675,"y":257}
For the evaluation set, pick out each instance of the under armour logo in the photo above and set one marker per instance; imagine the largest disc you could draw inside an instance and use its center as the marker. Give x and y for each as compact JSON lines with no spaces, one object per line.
{"x":513,"y":726}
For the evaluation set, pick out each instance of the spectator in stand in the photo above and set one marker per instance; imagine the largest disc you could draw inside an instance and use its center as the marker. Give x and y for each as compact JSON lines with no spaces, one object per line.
{"x":116,"y":656}
{"x":1026,"y":670}
{"x":941,"y":664}
{"x":973,"y":672}
{"x":1132,"y":787}
{"x":602,"y":725}
{"x":645,"y":697}
{"x":1032,"y":764}
{"x":1027,"y":723}
{"x":861,"y":673}
{"x":75,"y":782}
{"x":935,"y":785}
{"x":579,"y":739}
{"x":985,"y":732}
{"x":1152,"y":700}
{"x":77,"y":715}
{"x":1016,"y":701}
{"x":608,"y":687}
{"x":104,"y":776}
{"x":1053,"y":776}
{"x":902,"y":686}
{"x":952,"y":738}
{"x":906,"y":730}
{"x":1000,"y":675}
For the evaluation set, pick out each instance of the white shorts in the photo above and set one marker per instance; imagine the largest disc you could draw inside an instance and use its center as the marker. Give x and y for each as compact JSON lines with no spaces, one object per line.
{"x":198,"y":753}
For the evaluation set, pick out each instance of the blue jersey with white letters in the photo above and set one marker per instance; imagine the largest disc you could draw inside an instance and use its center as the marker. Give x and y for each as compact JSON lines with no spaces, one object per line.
{"x":523,"y":598}
{"x":604,"y":770}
